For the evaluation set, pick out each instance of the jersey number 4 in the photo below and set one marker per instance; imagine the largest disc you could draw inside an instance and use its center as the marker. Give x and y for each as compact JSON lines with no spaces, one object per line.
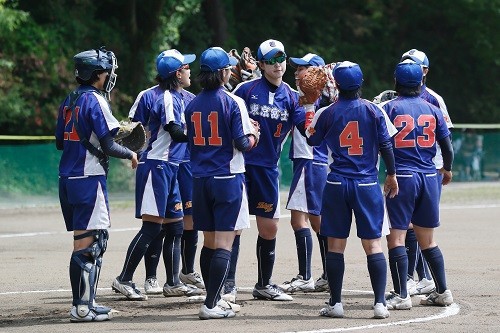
{"x":428,"y":124}
{"x":351,"y":139}
{"x":214,"y":139}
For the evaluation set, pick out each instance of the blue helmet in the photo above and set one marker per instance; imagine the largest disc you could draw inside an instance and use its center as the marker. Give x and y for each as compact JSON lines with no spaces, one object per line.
{"x":87,"y":62}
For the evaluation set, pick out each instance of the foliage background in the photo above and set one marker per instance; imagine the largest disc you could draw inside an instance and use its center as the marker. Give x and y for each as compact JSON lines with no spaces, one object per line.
{"x":39,"y":38}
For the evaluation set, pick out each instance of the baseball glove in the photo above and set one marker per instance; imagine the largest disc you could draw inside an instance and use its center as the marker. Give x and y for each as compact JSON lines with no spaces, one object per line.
{"x":246,"y":68}
{"x":330,"y":92}
{"x":131,"y":134}
{"x":385,"y":95}
{"x":311,"y":83}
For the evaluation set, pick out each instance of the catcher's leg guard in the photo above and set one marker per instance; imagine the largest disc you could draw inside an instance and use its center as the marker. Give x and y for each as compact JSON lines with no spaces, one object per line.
{"x":85,"y":267}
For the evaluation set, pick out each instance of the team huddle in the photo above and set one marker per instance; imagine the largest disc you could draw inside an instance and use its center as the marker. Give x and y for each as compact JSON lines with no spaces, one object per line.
{"x":212,"y":159}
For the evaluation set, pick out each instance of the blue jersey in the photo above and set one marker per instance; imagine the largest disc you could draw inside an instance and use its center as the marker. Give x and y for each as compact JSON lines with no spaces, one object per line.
{"x":277,"y":112}
{"x":161,"y":114}
{"x":420,"y":124}
{"x":353,"y":130}
{"x":144,"y":103}
{"x":215,"y":118}
{"x":179,"y":150}
{"x":432,"y":97}
{"x":95,"y":121}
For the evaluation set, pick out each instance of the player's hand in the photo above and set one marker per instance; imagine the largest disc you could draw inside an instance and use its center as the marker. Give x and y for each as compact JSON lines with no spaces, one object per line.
{"x":447,"y":176}
{"x":134,"y":160}
{"x":391,"y":188}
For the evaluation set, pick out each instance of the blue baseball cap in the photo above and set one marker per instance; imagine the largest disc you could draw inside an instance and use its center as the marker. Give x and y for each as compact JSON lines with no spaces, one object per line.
{"x":408,"y":73}
{"x":170,"y":61}
{"x":215,"y":58}
{"x":417,"y":56}
{"x":309,"y":59}
{"x":348,"y":75}
{"x":269,"y":49}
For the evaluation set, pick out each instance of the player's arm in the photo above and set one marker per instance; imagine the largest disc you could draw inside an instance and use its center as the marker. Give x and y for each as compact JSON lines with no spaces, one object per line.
{"x":448,"y":156}
{"x":391,"y":184}
{"x":176,"y":132}
{"x":245,"y":142}
{"x":111,"y":148}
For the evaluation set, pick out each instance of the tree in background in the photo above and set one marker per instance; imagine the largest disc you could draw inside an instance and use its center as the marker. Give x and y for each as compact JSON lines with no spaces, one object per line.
{"x":39,"y":38}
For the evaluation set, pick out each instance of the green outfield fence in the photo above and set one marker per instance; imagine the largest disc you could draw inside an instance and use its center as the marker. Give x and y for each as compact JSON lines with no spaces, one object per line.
{"x":28,"y":165}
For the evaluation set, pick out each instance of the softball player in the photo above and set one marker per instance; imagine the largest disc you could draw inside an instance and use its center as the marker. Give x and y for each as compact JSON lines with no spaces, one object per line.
{"x":425,"y":284}
{"x":219,"y":130}
{"x":158,"y":201}
{"x":310,"y":168}
{"x":84,"y":131}
{"x":355,"y":132}
{"x":420,"y":125}
{"x":274,"y":104}
{"x":140,"y":111}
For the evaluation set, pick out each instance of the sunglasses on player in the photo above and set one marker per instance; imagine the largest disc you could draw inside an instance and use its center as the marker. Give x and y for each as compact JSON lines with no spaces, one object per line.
{"x":278,"y":59}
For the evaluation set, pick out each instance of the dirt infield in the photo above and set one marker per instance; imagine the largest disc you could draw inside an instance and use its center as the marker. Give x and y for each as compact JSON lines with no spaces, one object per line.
{"x":35,"y":294}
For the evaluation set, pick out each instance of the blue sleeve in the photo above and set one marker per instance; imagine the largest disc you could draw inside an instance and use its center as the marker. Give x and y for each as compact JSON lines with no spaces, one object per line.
{"x":388,"y":156}
{"x":111,"y":148}
{"x":242,"y":143}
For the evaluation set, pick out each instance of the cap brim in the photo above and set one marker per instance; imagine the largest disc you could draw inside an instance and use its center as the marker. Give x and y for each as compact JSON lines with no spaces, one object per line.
{"x":298,"y":62}
{"x":189,"y":58}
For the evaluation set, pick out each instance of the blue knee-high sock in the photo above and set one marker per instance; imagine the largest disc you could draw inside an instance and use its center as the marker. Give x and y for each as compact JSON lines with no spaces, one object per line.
{"x":153,"y":254}
{"x":265,"y":260}
{"x":412,"y":250}
{"x":398,"y":261}
{"x":219,"y":268}
{"x":323,"y":249}
{"x":189,"y":244}
{"x":303,"y":242}
{"x":235,"y":251}
{"x":206,"y":255}
{"x":377,"y":268}
{"x":435,"y":260}
{"x":335,"y":267}
{"x":422,"y":268}
{"x":172,"y":251}
{"x":427,"y":273}
{"x":137,"y":249}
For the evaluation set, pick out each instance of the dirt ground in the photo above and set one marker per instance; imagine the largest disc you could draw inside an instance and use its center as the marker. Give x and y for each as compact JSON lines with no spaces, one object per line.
{"x":36,"y":297}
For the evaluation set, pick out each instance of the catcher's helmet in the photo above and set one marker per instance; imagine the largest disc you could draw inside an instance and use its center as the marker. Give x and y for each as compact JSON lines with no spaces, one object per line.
{"x":87,"y":62}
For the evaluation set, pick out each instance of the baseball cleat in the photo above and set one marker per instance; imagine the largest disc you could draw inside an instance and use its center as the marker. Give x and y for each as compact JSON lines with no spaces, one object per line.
{"x":270,"y":292}
{"x":193,"y":278}
{"x":434,"y":298}
{"x":334,"y":311}
{"x":229,"y":291}
{"x":229,"y":305}
{"x":380,"y":311}
{"x":152,"y":287}
{"x":181,"y":289}
{"x":216,"y":313}
{"x":411,"y":286}
{"x":298,"y":284}
{"x":396,"y":302}
{"x":128,"y":289}
{"x":425,"y":287}
{"x":321,"y":284}
{"x":82,"y":313}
